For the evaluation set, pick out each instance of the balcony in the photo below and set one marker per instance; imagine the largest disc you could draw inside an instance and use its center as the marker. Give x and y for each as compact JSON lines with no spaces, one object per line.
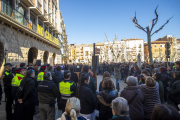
{"x":15,"y":19}
{"x":29,"y":3}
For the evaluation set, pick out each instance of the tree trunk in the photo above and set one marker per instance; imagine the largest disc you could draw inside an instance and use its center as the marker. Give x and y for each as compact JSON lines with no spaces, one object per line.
{"x":149,"y":48}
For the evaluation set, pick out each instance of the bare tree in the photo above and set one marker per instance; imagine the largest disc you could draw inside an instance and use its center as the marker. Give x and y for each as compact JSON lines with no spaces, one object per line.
{"x":116,"y":52}
{"x":148,"y":31}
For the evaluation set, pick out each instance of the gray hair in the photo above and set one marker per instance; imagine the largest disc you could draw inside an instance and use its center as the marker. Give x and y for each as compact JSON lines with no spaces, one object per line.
{"x":120,"y":106}
{"x":131,"y":81}
{"x":156,"y":70}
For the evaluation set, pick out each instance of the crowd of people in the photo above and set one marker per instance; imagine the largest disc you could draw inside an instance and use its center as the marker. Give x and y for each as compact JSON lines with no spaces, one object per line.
{"x":152,"y":91}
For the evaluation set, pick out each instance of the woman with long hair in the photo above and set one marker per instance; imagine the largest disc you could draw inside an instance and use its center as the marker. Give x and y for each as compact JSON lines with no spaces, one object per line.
{"x":27,"y":95}
{"x":72,"y":110}
{"x":105,"y":74}
{"x":87,"y":98}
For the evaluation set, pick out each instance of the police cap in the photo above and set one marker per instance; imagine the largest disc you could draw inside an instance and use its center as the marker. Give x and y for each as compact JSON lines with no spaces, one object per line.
{"x":67,"y":73}
{"x":8,"y":64}
{"x":44,"y":66}
{"x":18,"y":69}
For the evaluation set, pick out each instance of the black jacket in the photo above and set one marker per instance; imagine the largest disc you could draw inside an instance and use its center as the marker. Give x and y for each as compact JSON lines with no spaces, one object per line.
{"x":7,"y":81}
{"x":174,"y":93}
{"x":0,"y":93}
{"x":103,"y":103}
{"x":29,"y":94}
{"x":87,"y":99}
{"x":74,"y":77}
{"x":92,"y":83}
{"x":57,"y":78}
{"x":47,"y":92}
{"x":120,"y":118}
{"x":164,"y":79}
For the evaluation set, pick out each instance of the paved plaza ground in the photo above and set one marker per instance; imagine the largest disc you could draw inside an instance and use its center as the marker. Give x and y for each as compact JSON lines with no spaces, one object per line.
{"x":58,"y":112}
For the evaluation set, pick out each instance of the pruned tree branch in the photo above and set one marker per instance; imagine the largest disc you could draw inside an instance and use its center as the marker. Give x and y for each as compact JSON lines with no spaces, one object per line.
{"x":162,"y":26}
{"x":136,"y":23}
{"x":154,"y":21}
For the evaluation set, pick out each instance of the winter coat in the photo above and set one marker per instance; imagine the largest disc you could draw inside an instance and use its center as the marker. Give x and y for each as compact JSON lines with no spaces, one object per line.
{"x":120,"y":118}
{"x":65,"y":116}
{"x":164,"y":79}
{"x":74,"y":77}
{"x":161,"y":91}
{"x":87,"y":99}
{"x":117,"y":73}
{"x":171,"y":73}
{"x":101,"y":67}
{"x":29,"y":94}
{"x":47,"y":92}
{"x":103,"y":103}
{"x":151,"y":98}
{"x":174,"y":93}
{"x":136,"y":111}
{"x":57,"y":78}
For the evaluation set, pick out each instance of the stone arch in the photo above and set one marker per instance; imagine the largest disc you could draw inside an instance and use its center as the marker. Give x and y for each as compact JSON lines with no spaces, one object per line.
{"x":32,"y":55}
{"x":2,"y":60}
{"x":45,"y":57}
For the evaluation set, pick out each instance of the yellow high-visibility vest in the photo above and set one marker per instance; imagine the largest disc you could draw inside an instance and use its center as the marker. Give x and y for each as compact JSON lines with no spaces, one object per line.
{"x":64,"y":88}
{"x":40,"y":76}
{"x":16,"y":81}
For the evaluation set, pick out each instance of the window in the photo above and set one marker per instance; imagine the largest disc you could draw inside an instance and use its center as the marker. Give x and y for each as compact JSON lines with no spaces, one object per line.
{"x":154,"y":45}
{"x":160,"y":45}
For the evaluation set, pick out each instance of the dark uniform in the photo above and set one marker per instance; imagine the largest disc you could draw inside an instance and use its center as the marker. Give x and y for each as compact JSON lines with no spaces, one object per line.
{"x":16,"y":81}
{"x":7,"y":78}
{"x":67,"y":89}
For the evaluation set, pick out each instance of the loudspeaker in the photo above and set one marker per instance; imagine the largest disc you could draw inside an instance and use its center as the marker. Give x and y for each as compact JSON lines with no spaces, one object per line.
{"x":96,"y":61}
{"x":38,"y":62}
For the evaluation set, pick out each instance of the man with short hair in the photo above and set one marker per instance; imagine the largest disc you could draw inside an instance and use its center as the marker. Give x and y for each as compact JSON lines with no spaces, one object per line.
{"x":177,"y":65}
{"x":57,"y":78}
{"x":23,"y":65}
{"x":7,"y":79}
{"x":47,"y":93}
{"x":67,"y":89}
{"x":92,"y":83}
{"x":74,"y":76}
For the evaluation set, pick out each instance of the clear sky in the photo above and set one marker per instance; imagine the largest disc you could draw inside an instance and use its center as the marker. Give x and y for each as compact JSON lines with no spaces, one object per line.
{"x":86,"y":21}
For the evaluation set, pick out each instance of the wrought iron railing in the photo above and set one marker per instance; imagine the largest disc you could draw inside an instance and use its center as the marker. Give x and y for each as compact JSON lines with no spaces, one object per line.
{"x":16,"y":15}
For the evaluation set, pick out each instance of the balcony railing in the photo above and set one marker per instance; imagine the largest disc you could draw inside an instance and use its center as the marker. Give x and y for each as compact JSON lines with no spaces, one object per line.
{"x":8,"y":10}
{"x":16,"y":15}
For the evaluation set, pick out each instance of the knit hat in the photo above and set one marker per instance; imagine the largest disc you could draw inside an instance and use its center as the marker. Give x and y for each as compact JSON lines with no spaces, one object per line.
{"x":163,"y":69}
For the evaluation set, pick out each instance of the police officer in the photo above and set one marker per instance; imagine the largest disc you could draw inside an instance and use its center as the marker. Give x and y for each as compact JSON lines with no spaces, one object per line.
{"x":40,"y":76}
{"x":47,"y":94}
{"x":67,"y":89}
{"x":7,"y":79}
{"x":16,"y":81}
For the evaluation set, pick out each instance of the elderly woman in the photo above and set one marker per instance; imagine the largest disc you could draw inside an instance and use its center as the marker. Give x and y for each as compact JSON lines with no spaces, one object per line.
{"x":135,"y":98}
{"x":151,"y":96}
{"x":120,"y":109}
{"x":104,"y":99}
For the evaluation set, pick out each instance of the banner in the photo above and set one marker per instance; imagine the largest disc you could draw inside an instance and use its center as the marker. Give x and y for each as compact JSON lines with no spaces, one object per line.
{"x":47,"y":35}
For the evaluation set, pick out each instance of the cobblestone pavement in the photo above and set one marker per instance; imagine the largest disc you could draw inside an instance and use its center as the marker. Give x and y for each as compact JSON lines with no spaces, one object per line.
{"x":58,"y":112}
